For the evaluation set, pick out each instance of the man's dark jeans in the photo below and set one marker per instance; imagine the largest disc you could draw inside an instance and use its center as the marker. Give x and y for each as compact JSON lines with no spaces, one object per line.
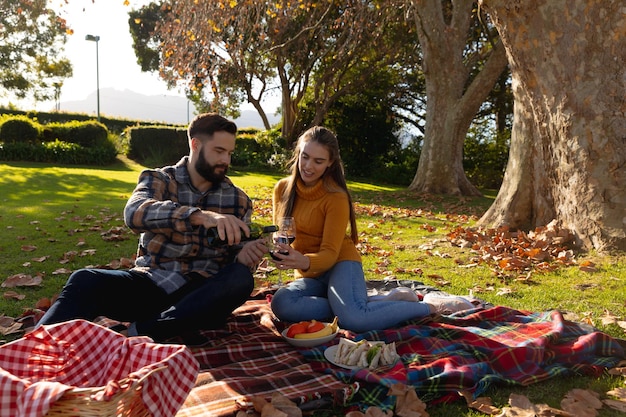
{"x":130,"y":296}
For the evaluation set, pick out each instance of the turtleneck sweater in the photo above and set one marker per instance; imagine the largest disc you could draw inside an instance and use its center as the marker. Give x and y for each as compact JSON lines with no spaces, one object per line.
{"x":322,"y":218}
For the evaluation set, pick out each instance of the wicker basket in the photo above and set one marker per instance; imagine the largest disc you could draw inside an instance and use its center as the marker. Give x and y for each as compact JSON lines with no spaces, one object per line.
{"x":80,"y":402}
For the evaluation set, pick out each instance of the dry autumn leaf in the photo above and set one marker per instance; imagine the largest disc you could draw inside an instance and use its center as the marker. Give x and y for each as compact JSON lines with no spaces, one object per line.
{"x":620,"y":393}
{"x":582,"y":403}
{"x":616,"y":404}
{"x":408,"y":403}
{"x":14,"y":295}
{"x":521,"y":406}
{"x":482,"y":404}
{"x":8,"y":325}
{"x":22,"y":280}
{"x":505,"y":291}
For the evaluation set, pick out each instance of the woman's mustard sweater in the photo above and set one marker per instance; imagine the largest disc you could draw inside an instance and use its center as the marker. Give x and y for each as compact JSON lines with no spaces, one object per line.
{"x":322,"y":218}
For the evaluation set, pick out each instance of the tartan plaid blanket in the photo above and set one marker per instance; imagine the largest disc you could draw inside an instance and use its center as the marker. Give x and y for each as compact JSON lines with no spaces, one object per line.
{"x":439,"y":357}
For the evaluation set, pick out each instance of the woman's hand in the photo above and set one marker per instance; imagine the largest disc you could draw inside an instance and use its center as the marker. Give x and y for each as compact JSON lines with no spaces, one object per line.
{"x":289,"y":258}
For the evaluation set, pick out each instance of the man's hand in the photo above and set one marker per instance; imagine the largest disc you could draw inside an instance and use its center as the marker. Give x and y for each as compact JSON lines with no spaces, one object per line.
{"x":252,"y":252}
{"x":229,"y":227}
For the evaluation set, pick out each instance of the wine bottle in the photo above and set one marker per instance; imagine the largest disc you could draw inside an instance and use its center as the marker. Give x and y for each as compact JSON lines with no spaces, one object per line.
{"x":256,"y":232}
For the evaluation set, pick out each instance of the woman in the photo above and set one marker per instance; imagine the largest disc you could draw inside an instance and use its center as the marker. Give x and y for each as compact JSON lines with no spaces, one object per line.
{"x":328,"y":269}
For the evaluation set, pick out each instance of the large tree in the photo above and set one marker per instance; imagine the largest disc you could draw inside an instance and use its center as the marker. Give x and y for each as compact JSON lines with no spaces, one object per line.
{"x":31,"y":38}
{"x":459,"y":76}
{"x":568,"y":146}
{"x":239,"y":50}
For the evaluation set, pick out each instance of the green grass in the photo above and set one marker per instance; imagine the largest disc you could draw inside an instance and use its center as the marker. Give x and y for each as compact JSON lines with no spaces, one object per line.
{"x":63,"y":213}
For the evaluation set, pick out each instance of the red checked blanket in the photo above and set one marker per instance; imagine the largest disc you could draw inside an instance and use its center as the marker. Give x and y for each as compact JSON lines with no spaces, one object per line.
{"x":439,"y":358}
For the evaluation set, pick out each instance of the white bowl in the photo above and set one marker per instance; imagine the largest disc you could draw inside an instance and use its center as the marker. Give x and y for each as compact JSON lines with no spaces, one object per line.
{"x":308,"y":342}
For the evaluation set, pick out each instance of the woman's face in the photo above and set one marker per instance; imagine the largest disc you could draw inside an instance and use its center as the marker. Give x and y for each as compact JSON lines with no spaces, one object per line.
{"x":313,"y":161}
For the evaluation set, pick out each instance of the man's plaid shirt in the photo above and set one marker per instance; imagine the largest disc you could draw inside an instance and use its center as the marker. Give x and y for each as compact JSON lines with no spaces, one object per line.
{"x":169,"y":246}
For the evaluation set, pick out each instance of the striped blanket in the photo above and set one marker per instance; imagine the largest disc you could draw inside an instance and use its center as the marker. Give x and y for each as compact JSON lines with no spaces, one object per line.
{"x":439,"y":358}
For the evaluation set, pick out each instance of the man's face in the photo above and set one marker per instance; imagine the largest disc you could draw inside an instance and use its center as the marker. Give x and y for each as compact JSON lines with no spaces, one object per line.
{"x":214,"y":156}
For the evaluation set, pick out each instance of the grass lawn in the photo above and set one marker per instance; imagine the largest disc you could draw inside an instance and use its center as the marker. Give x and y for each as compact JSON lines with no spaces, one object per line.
{"x":58,"y":219}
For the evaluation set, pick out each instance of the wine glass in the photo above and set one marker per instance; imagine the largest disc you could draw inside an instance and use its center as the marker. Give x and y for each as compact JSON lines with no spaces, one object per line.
{"x":286,"y":234}
{"x":278,"y":237}
{"x":288,"y":226}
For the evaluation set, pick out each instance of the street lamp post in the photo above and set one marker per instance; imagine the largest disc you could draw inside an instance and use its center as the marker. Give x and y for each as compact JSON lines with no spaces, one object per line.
{"x":96,"y":39}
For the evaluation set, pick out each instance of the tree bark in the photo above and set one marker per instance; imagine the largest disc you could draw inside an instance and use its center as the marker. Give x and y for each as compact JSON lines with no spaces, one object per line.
{"x":568,"y":145}
{"x":452,"y":100}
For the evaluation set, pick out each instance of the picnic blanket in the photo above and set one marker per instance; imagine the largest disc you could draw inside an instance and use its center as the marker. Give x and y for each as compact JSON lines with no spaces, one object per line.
{"x":439,"y":357}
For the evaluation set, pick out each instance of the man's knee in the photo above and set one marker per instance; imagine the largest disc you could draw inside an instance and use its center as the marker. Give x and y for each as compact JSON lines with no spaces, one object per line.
{"x":241,"y":278}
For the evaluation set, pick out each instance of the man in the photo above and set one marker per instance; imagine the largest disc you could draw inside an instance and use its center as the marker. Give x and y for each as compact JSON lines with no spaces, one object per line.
{"x":180,"y":283}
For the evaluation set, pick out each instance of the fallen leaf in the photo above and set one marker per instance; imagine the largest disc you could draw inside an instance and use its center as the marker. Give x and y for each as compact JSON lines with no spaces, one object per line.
{"x":505,"y":291}
{"x":22,"y":280}
{"x":521,"y":406}
{"x":616,"y":404}
{"x":14,"y":295}
{"x":582,"y":403}
{"x":482,"y":404}
{"x":618,"y":392}
{"x":8,"y":325}
{"x":609,"y":318}
{"x":29,"y":248}
{"x":43,"y":303}
{"x":408,"y":403}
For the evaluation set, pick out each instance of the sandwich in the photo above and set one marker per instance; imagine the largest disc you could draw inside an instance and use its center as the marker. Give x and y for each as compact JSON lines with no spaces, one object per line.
{"x":365,"y":354}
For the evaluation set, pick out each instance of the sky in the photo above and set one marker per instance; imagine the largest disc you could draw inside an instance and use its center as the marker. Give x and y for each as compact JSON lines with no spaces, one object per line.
{"x":117,"y":63}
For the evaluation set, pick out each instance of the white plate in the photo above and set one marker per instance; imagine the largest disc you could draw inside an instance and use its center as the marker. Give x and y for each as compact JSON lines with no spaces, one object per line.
{"x":329,"y":354}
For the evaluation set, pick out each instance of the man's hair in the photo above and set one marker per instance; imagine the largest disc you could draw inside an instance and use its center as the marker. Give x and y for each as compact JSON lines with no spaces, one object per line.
{"x":209,"y":123}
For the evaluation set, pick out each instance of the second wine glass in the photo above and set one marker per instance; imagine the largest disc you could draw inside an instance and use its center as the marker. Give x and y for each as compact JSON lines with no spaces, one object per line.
{"x":278,"y":237}
{"x":287,"y":225}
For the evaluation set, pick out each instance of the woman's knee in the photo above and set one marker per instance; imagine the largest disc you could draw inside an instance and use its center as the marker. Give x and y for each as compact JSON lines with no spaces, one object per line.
{"x":281,"y":303}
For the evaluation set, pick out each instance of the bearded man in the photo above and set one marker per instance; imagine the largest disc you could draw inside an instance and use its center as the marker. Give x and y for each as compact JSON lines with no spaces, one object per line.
{"x":180,"y":283}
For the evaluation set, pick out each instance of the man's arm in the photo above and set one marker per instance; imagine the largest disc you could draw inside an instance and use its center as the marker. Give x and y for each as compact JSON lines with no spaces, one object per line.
{"x":150,"y":207}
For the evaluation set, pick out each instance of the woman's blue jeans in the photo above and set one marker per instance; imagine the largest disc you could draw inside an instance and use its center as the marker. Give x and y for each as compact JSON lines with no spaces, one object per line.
{"x":341,"y":292}
{"x":129,"y":296}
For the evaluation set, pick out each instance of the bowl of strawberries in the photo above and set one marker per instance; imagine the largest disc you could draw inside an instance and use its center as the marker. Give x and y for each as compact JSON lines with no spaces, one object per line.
{"x":310,"y":333}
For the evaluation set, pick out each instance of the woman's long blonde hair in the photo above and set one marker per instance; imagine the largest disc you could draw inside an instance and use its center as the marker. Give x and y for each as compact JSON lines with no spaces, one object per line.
{"x":333,"y":177}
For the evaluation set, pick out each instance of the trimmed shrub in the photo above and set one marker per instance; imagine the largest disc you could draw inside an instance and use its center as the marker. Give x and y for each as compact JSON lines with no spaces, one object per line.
{"x":18,"y":129}
{"x":157,"y":146}
{"x":258,"y":149}
{"x":89,"y":134}
{"x":58,"y":152}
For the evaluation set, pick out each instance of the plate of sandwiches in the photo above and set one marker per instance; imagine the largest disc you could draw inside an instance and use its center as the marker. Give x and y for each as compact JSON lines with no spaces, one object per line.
{"x":362,"y":354}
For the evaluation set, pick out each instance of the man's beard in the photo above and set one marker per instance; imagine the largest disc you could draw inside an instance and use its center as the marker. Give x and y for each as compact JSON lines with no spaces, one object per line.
{"x":207,"y":171}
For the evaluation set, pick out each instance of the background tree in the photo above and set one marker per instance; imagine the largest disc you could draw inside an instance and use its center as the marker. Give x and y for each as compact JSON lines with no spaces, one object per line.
{"x":458,"y":76}
{"x":246,"y":48}
{"x":568,"y":146}
{"x":31,"y":39}
{"x":364,"y":122}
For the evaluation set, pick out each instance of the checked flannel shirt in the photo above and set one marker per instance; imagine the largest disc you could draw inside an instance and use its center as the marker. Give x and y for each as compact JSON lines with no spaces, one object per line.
{"x":170,"y":248}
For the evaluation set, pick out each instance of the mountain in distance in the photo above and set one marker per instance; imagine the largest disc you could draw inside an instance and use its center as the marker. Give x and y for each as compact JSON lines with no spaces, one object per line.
{"x":169,"y":109}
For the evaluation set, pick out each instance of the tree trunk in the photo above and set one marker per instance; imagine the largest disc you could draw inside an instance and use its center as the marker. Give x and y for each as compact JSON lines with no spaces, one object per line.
{"x":568,"y":145}
{"x":452,"y":101}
